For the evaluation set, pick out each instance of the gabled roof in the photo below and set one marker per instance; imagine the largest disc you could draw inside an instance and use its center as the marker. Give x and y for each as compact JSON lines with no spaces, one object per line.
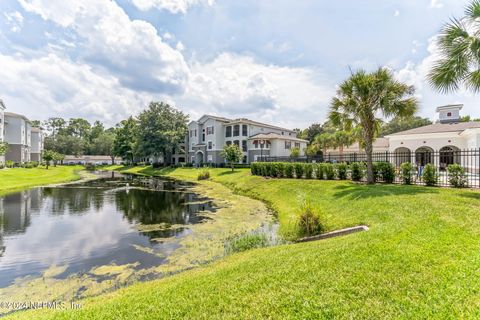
{"x":440,"y":127}
{"x":240,"y":120}
{"x":272,"y":135}
{"x":16,"y":115}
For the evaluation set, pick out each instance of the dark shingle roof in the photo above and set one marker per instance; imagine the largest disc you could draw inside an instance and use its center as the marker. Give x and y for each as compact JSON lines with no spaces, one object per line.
{"x":441,"y":127}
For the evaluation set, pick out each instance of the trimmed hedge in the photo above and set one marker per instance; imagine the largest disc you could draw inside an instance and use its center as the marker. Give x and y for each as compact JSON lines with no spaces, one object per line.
{"x":356,"y":171}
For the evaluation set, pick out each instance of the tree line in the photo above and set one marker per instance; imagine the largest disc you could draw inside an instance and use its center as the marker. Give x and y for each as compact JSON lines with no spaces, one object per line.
{"x":154,"y":133}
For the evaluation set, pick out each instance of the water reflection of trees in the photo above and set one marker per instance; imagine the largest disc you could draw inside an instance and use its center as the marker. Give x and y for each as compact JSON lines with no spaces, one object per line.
{"x":153,"y":207}
{"x":73,"y":200}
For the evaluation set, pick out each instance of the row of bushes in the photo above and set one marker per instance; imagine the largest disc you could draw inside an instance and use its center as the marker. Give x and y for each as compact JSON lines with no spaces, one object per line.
{"x":12,"y":164}
{"x":383,"y":171}
{"x":356,"y":171}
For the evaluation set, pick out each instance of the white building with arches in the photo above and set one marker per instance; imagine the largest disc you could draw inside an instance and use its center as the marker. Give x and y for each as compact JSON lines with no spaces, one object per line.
{"x":440,"y":143}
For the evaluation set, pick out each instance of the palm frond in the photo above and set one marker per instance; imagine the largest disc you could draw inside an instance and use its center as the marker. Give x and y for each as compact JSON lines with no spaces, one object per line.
{"x":473,"y":9}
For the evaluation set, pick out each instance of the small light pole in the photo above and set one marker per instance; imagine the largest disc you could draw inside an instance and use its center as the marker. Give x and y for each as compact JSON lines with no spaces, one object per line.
{"x":262,"y":142}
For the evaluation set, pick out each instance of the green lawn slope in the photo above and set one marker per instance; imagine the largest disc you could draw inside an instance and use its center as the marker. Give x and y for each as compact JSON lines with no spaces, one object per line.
{"x":420,"y":259}
{"x":13,"y":179}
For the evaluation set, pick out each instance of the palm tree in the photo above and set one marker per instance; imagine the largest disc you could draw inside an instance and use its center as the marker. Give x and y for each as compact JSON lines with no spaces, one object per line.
{"x":459,"y":49}
{"x":363,"y":98}
{"x":343,"y":139}
{"x":323,"y":141}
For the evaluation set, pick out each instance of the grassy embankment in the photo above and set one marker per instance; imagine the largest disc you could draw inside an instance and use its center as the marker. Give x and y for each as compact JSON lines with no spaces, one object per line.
{"x":420,"y":259}
{"x":12,"y":180}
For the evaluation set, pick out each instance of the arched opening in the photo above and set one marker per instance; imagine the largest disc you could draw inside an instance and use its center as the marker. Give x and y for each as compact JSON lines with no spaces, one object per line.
{"x":199,"y":158}
{"x":402,"y":155}
{"x":449,"y":155}
{"x":423,"y":156}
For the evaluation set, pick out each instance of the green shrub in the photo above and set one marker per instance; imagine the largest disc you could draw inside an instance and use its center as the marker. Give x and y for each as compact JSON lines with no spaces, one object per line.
{"x":341,"y":170}
{"x":456,"y":176}
{"x":246,"y":242}
{"x":357,"y":171}
{"x":204,"y":174}
{"x":406,"y":173}
{"x":299,"y":170}
{"x":254,"y":168}
{"x":280,"y":169}
{"x":289,"y":170}
{"x":308,"y":222}
{"x":329,"y":171}
{"x":9,"y":164}
{"x":319,"y":173}
{"x":263,"y":169}
{"x":308,"y":170}
{"x":385,"y":171}
{"x":430,"y":176}
{"x":272,"y":169}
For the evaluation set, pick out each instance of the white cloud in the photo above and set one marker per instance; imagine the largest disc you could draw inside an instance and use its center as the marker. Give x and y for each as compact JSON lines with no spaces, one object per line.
{"x":436,"y":4}
{"x":234,"y":85}
{"x":174,"y":6}
{"x":396,"y":13}
{"x":15,"y":20}
{"x":124,"y":64}
{"x":52,"y":85}
{"x":131,"y":49}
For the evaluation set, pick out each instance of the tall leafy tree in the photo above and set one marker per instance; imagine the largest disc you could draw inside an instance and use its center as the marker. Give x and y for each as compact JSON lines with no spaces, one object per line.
{"x":459,"y":50}
{"x":125,"y":139}
{"x":323,"y":141}
{"x":342,"y":139}
{"x":402,"y":124}
{"x":363,"y":98}
{"x":232,"y":154}
{"x":104,"y":144}
{"x":54,"y":125}
{"x":311,"y":132}
{"x":3,"y":148}
{"x":161,"y":129}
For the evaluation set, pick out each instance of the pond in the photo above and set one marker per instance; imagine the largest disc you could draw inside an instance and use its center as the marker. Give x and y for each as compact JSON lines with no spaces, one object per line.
{"x":86,"y":238}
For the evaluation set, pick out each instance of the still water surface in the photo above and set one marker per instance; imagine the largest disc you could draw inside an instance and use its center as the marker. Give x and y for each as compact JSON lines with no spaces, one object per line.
{"x":85,"y":225}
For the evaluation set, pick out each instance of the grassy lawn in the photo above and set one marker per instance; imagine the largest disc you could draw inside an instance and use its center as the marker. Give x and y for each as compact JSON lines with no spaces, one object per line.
{"x":19,"y":178}
{"x":420,"y":259}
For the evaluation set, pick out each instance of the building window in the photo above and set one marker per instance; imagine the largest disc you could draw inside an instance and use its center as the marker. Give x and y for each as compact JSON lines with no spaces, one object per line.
{"x":228,"y":132}
{"x":236,"y":130}
{"x":244,"y":145}
{"x":229,"y":143}
{"x":237,"y":143}
{"x":283,"y":133}
{"x":288,"y":145}
{"x":244,"y":130}
{"x":195,"y":132}
{"x":449,"y":114}
{"x":255,"y":143}
{"x":210,"y":145}
{"x":203,"y":135}
{"x":244,"y":159}
{"x":297,"y":144}
{"x":209,"y":130}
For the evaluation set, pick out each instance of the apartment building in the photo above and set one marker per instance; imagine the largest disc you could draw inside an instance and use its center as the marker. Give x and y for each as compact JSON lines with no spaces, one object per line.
{"x":18,"y":135}
{"x":208,"y":135}
{"x":37,"y":144}
{"x":2,"y":128}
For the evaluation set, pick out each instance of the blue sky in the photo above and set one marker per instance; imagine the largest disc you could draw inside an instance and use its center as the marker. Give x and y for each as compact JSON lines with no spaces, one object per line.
{"x":277,"y":61}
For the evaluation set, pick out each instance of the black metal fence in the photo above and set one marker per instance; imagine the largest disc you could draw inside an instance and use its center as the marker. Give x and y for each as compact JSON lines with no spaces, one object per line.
{"x":469,"y":160}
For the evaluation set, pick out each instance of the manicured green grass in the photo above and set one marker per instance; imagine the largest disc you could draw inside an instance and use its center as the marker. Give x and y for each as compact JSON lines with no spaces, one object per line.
{"x":19,"y":178}
{"x":420,"y":259}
